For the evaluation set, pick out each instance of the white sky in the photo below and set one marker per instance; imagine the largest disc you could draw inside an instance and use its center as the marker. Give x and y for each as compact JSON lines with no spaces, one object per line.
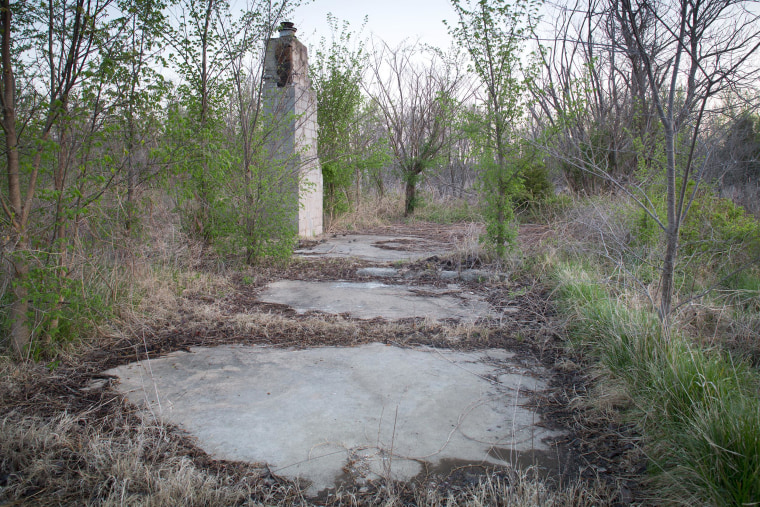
{"x":390,"y":20}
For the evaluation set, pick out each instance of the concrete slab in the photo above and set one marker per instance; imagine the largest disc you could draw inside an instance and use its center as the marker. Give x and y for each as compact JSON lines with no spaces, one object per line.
{"x":367,"y":300}
{"x":319,"y":414}
{"x":378,"y":272}
{"x":375,"y":248}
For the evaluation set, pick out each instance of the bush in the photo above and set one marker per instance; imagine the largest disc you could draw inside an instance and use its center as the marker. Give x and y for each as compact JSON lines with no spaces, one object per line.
{"x":714,"y":225}
{"x":536,"y":185}
{"x":65,"y":304}
{"x":717,"y":223}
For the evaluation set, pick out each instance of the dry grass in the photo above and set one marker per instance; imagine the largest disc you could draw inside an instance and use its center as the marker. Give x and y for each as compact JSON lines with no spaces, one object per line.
{"x":64,"y":443}
{"x":508,"y":487}
{"x":371,"y":211}
{"x":726,"y":324}
{"x":65,"y":461}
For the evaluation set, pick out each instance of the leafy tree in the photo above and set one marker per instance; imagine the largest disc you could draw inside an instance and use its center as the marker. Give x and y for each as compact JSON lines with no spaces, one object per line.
{"x":131,"y":66}
{"x":494,"y":34}
{"x":201,"y":60}
{"x":233,"y":194}
{"x":336,"y":72}
{"x":43,"y":108}
{"x":253,"y":216}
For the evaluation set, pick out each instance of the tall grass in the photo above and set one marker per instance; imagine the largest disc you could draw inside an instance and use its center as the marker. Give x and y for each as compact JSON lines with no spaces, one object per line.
{"x":699,"y":410}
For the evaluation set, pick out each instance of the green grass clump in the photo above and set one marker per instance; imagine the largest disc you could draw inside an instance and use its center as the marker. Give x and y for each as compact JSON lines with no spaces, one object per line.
{"x":686,"y":380}
{"x":715,"y":458}
{"x":596,"y":316}
{"x":698,"y":410}
{"x":719,"y":454}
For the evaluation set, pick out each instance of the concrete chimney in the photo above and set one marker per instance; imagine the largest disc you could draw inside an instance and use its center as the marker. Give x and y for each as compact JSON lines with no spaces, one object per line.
{"x":291,"y":105}
{"x":287,"y":29}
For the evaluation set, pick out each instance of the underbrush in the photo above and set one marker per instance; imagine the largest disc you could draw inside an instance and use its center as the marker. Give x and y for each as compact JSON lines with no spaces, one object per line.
{"x":374,"y":211}
{"x":370,"y":212}
{"x":448,"y":211}
{"x":693,"y":390}
{"x":67,"y":303}
{"x":697,"y":408}
{"x":717,"y":278}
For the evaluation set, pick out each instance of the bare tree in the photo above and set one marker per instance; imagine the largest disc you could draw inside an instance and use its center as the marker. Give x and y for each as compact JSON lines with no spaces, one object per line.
{"x":417,"y":90}
{"x":591,"y":96}
{"x":655,"y":72}
{"x":705,"y":47}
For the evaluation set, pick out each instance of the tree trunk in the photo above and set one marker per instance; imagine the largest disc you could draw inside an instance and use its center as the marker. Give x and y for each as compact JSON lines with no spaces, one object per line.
{"x":20,"y":331}
{"x":132,"y":169}
{"x":59,"y":179}
{"x":378,"y":179}
{"x":501,"y":239}
{"x":203,"y":218}
{"x":59,"y":237}
{"x":131,"y":188}
{"x":411,"y":194}
{"x":671,"y":233}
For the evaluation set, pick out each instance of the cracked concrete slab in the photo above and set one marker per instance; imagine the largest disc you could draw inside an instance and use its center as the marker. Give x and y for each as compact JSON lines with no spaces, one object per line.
{"x":375,"y":248}
{"x":367,"y":300}
{"x":370,"y":411}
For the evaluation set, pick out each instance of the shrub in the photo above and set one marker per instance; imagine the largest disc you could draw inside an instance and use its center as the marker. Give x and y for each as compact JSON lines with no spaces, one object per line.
{"x":536,"y":185}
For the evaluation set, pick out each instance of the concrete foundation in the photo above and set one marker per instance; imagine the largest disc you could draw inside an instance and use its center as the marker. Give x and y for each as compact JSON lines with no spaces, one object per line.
{"x":330,"y":414}
{"x":367,"y":300}
{"x":375,"y":248}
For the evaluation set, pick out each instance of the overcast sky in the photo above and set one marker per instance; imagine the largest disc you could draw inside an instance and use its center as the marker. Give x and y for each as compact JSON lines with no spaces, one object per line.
{"x":391,"y":20}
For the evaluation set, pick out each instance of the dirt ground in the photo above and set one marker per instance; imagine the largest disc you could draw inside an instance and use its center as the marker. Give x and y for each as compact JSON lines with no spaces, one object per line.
{"x":598,"y":447}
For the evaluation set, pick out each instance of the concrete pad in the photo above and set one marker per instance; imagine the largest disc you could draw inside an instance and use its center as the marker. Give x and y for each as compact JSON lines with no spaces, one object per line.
{"x":448,"y":275}
{"x":375,"y":248}
{"x":319,"y":414}
{"x":367,"y":300}
{"x":378,"y":272}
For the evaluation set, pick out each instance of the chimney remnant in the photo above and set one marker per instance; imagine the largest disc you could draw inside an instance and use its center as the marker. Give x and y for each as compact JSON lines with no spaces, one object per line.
{"x":291,"y":104}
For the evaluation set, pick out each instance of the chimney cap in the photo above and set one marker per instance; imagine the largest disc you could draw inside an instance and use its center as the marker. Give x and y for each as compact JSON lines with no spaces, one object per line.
{"x":287,"y":29}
